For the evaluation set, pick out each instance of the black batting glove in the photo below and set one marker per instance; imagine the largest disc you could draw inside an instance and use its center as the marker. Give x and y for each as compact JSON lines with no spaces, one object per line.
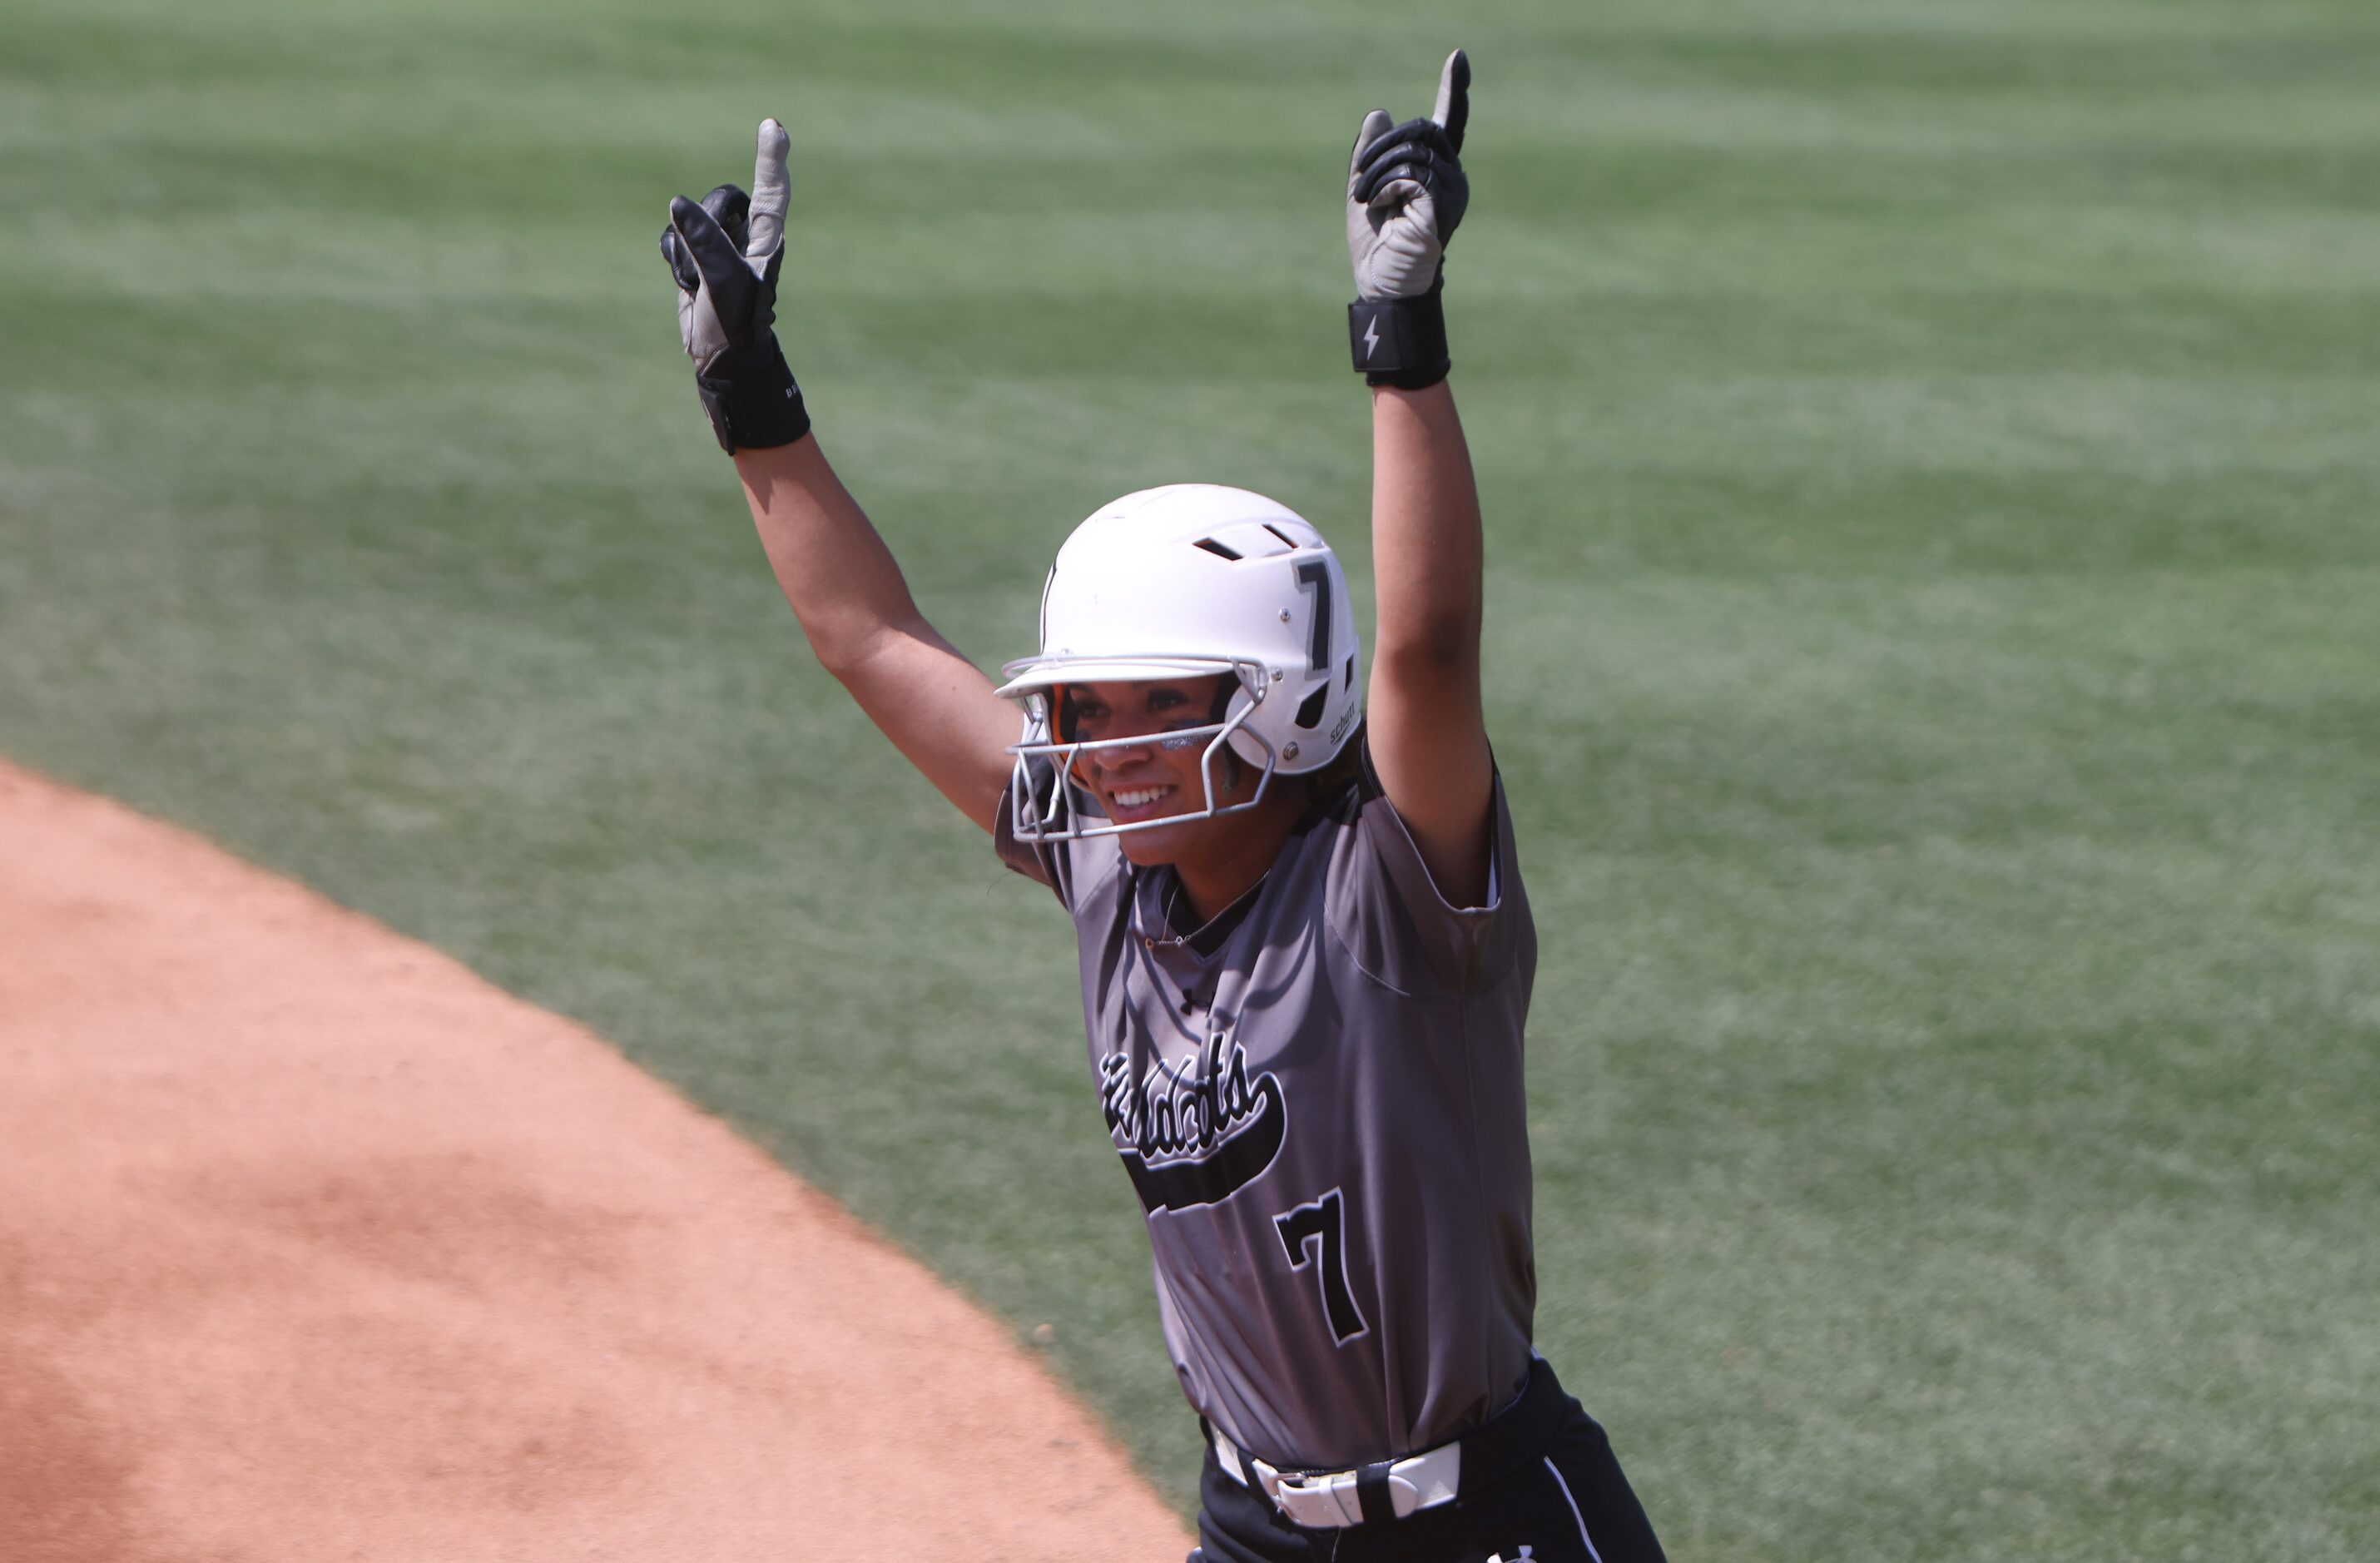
{"x":1406,"y":194}
{"x":724,"y":255}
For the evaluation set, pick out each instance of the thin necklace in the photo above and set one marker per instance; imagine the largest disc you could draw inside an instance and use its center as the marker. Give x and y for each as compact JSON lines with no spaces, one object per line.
{"x":1173,"y":903}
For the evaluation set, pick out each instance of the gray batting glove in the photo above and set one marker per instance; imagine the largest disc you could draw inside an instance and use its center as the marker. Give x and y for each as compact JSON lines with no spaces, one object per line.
{"x":725,"y":254}
{"x":1406,"y":191}
{"x":1406,"y":194}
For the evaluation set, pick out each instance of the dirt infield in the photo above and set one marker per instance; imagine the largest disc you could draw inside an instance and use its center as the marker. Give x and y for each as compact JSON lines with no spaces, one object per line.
{"x":314,"y":1246}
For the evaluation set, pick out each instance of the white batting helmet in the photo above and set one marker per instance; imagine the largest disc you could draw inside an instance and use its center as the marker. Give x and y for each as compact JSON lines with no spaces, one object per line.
{"x":1189,"y":581}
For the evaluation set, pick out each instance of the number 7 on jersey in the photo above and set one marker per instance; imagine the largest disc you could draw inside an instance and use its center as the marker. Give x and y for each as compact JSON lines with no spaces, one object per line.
{"x":1322,"y":1226}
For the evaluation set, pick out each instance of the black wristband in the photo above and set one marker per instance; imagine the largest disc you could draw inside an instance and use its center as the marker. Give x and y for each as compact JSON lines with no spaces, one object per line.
{"x":754,"y":404}
{"x":1400,"y":342}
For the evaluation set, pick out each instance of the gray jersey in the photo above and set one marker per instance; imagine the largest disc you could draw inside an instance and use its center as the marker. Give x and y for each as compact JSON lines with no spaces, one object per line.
{"x":1323,"y":1119}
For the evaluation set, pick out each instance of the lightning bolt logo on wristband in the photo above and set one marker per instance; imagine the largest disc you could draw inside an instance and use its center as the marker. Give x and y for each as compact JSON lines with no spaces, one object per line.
{"x":1399,"y":342}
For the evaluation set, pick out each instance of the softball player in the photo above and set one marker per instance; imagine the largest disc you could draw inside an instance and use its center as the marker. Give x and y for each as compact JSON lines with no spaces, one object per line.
{"x":1307,"y":955}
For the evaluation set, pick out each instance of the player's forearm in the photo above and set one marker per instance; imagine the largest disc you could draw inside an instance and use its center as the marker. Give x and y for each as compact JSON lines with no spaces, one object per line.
{"x":833,"y":567}
{"x":1425,"y":533}
{"x":726,"y":254}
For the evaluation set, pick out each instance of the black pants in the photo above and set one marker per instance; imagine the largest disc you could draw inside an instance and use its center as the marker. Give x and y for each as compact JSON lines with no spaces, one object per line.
{"x":1557,"y":1497}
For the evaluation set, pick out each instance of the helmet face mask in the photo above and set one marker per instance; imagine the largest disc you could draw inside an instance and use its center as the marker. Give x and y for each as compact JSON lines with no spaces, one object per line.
{"x":1048,"y":802}
{"x":1187,"y":582}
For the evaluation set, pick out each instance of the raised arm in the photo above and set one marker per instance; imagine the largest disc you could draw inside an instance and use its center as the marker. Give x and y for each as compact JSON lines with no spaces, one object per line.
{"x":1429,"y":738}
{"x":938,"y":708}
{"x":1405,"y":194}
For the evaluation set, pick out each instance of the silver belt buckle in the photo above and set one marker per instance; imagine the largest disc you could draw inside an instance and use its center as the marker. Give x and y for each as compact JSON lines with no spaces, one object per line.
{"x":1316,"y":1501}
{"x":1329,"y":1499}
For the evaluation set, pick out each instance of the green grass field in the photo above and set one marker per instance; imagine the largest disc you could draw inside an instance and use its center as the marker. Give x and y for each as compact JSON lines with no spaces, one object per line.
{"x":1933,"y":506}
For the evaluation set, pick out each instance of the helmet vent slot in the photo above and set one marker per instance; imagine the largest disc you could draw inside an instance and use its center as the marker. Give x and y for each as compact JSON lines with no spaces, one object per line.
{"x":1350,"y":681}
{"x":1282,"y":534}
{"x":1219,"y":549}
{"x":1309,"y":714}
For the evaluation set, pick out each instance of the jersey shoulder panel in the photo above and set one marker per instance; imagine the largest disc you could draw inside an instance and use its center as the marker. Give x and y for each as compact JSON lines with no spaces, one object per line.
{"x":1389,"y":913}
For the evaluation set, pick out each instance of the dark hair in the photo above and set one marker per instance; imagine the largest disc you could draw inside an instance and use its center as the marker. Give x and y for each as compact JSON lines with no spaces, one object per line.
{"x":1347,"y":769}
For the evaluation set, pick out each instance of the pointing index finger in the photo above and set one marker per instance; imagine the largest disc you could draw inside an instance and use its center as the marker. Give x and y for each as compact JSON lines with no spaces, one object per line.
{"x":770,"y":193}
{"x":1453,"y":109}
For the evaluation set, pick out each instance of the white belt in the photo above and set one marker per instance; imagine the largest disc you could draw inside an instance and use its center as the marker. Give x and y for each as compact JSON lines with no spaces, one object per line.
{"x":1327,"y":1498}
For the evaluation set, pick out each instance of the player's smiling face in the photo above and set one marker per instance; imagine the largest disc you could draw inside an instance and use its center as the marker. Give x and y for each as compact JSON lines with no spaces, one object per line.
{"x":1150,"y":781}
